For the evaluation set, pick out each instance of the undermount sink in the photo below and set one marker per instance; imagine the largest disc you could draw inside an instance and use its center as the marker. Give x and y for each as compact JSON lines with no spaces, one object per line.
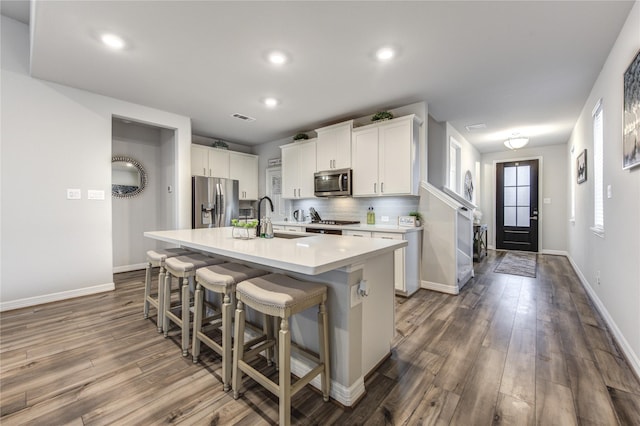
{"x":288,"y":236}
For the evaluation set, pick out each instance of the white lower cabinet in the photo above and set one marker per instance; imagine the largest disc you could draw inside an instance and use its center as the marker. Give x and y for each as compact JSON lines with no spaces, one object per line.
{"x":406,"y":274}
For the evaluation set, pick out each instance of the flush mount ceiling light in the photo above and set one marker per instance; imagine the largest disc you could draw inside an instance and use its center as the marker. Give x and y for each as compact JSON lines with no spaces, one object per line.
{"x":271,"y":102}
{"x":113,"y":41}
{"x":516,"y":142}
{"x":277,"y":58}
{"x":385,"y":54}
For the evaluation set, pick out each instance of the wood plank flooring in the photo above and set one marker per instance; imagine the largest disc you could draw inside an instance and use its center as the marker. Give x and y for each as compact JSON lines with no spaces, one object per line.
{"x":508,"y":350}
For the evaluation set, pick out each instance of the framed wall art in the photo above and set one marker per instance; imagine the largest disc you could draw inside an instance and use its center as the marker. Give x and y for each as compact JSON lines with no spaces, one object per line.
{"x":631,"y":115}
{"x":581,"y":166}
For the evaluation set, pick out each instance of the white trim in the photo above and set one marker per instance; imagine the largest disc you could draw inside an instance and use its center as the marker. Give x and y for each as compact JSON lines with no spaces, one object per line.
{"x":346,"y":396}
{"x":554,"y":252}
{"x":54,"y":297}
{"x":443,"y":288}
{"x":597,"y":230}
{"x":633,"y":359}
{"x":127,"y":268}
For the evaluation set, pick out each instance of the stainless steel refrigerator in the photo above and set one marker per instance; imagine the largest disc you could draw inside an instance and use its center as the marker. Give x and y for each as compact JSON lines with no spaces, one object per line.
{"x":214,"y":202}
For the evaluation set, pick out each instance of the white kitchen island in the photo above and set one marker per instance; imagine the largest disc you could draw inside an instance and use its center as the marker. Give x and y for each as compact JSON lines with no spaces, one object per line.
{"x":361,"y":328}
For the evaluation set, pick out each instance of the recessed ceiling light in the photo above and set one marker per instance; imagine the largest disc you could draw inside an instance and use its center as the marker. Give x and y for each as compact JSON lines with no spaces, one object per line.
{"x":113,"y":41}
{"x":277,"y":58}
{"x":271,"y":102}
{"x":385,"y":54}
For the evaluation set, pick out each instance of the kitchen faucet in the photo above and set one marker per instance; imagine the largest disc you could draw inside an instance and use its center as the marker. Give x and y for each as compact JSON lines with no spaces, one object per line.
{"x":259,"y":204}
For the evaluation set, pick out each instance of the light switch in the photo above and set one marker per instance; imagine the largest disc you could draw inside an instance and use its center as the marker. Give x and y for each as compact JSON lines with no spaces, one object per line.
{"x":546,"y":200}
{"x":95,"y":194}
{"x":384,"y":218}
{"x":609,"y":192}
{"x":74,"y":194}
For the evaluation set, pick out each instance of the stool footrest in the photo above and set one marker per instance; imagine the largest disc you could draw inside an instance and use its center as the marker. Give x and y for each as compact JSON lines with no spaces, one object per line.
{"x":259,"y":377}
{"x":252,"y":353}
{"x":303,"y":381}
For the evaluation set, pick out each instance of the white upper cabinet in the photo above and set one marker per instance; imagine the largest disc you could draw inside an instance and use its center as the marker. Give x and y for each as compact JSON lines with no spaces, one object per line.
{"x":244,"y":168}
{"x":384,"y":158}
{"x":334,"y":146}
{"x":298,"y":167}
{"x":209,"y":162}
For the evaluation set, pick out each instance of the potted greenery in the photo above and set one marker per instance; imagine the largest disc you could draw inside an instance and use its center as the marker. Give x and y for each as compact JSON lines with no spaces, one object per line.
{"x":301,"y":137}
{"x":243,"y":230}
{"x":418,"y":217}
{"x":382,"y":115}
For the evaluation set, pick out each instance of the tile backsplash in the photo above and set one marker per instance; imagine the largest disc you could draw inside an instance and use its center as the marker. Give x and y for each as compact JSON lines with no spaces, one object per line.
{"x":356,"y":208}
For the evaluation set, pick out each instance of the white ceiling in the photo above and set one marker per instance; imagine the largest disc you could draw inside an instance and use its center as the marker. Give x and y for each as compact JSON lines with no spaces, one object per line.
{"x":516,"y":66}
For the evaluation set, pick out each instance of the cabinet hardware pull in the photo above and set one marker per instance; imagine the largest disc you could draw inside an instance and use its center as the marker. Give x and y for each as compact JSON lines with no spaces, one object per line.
{"x":381,"y":187}
{"x":204,"y":171}
{"x":374,"y":188}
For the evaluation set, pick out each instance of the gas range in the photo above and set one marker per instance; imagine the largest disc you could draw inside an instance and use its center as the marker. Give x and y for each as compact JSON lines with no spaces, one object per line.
{"x":335,"y":222}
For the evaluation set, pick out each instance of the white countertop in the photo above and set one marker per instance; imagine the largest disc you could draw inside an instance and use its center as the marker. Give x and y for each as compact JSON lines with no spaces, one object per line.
{"x":355,"y":227}
{"x":311,"y":255}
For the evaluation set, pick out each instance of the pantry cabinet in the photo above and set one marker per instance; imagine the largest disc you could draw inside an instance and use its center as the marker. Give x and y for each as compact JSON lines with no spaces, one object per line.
{"x":384,"y":158}
{"x":210,"y":162}
{"x":298,"y":167}
{"x":244,"y":168}
{"x":334,"y":146}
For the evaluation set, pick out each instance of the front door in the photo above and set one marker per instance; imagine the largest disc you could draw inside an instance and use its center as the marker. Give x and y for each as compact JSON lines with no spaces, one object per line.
{"x":517,"y":205}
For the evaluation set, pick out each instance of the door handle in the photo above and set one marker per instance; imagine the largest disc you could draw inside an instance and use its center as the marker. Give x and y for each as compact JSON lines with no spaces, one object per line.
{"x":533,"y":218}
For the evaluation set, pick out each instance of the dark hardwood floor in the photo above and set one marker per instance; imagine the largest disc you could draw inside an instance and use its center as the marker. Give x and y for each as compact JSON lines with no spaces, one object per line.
{"x":508,"y":350}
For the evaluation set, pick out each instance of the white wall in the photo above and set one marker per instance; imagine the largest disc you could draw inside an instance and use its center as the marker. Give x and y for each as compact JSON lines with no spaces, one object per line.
{"x":53,"y":138}
{"x":469,"y":159}
{"x":616,"y":256}
{"x":553,"y":219}
{"x":145,"y":212}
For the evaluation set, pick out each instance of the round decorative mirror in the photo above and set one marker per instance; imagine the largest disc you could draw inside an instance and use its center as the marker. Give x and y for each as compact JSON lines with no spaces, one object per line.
{"x":128,"y":177}
{"x":468,"y":186}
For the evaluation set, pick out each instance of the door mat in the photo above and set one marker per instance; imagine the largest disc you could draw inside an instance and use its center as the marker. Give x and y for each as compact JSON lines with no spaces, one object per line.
{"x":518,"y":263}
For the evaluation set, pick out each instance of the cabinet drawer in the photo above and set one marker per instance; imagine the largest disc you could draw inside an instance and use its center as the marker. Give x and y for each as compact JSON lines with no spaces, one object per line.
{"x":294,"y":228}
{"x":365,"y":234}
{"x":387,"y":235}
{"x":278,"y":228}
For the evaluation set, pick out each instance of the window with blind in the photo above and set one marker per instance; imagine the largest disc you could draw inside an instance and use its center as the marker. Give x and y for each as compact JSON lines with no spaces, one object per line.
{"x":598,"y":166}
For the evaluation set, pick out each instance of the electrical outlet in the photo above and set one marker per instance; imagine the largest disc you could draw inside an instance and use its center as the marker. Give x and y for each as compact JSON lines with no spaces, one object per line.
{"x":74,"y":194}
{"x":384,"y":218}
{"x":355,"y":295}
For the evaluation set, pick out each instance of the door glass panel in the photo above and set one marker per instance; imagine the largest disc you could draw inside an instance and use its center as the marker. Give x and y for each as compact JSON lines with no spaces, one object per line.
{"x":510,"y":176}
{"x":510,"y":196}
{"x":523,"y":175}
{"x":523,"y":196}
{"x":510,"y":216}
{"x":523,"y":216}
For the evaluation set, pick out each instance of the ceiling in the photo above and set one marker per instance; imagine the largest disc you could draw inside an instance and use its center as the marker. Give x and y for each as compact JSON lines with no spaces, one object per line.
{"x":515,"y":66}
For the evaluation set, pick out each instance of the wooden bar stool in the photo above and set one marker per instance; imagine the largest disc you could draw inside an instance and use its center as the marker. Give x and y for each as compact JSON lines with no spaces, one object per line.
{"x":182,"y":267}
{"x":221,"y":279}
{"x":155,"y":259}
{"x":281,"y":296}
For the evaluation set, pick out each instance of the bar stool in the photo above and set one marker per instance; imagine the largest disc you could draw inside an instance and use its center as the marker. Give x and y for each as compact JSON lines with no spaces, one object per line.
{"x":182,"y":267}
{"x":221,"y":279}
{"x":282,"y":296}
{"x":155,"y":259}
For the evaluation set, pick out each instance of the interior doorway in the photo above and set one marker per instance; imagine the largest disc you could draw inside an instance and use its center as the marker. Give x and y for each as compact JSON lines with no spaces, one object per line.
{"x":517,"y":205}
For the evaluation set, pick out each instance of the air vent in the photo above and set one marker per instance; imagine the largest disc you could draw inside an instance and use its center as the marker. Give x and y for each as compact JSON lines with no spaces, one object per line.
{"x":478,"y":126}
{"x":243,"y":117}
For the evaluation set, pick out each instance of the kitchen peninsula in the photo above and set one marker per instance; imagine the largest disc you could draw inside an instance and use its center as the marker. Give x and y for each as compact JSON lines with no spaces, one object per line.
{"x":361,"y":327}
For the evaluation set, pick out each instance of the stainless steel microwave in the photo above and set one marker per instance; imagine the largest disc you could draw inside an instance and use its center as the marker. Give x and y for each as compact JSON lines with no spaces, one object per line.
{"x":332,"y":183}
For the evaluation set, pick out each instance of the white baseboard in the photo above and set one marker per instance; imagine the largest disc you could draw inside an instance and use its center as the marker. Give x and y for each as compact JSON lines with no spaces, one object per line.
{"x":631,"y":356}
{"x":127,"y":268}
{"x":555,"y":252}
{"x":346,"y":396}
{"x":442,"y":288}
{"x":54,"y":297}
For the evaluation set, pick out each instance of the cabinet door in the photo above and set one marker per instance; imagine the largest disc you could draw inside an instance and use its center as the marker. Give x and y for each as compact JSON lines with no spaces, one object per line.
{"x":351,"y":233}
{"x":218,"y":163}
{"x":326,"y":150}
{"x":290,"y":172}
{"x":244,"y":168}
{"x":342,"y":158}
{"x":364,"y":162}
{"x":398,"y":258}
{"x":306,"y":169}
{"x":199,"y":160}
{"x":395,"y":158}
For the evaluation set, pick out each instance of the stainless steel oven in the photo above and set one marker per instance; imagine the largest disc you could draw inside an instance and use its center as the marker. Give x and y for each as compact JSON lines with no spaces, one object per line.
{"x":332,"y":183}
{"x":324,"y":231}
